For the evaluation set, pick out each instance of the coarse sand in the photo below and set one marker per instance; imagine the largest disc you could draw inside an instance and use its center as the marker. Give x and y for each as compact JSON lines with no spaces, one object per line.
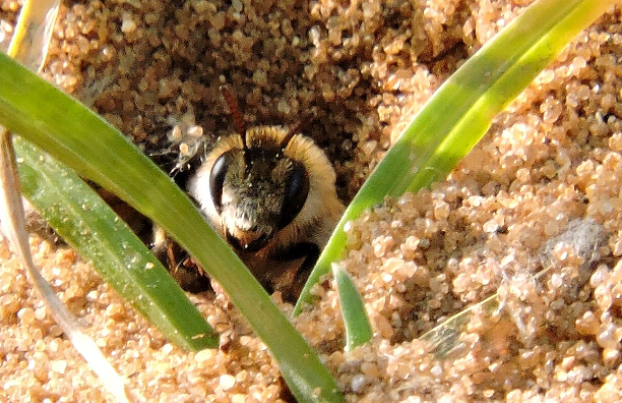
{"x":540,"y":192}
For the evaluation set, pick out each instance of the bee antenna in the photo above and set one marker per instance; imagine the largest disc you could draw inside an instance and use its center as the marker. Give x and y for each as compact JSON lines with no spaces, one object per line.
{"x":291,"y":132}
{"x":227,"y":93}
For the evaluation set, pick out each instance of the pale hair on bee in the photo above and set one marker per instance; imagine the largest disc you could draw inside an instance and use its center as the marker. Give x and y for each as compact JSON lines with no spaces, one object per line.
{"x":271,"y":194}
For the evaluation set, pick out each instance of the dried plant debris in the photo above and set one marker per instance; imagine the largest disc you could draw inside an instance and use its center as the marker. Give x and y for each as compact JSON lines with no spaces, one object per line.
{"x":565,"y":262}
{"x":582,"y":238}
{"x":353,"y":74}
{"x":526,"y":297}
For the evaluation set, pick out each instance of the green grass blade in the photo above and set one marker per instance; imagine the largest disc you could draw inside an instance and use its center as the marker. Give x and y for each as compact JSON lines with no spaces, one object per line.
{"x":86,"y":143}
{"x":29,"y":45}
{"x":97,"y":233}
{"x":86,"y":222}
{"x":355,"y":320}
{"x":461,"y":111}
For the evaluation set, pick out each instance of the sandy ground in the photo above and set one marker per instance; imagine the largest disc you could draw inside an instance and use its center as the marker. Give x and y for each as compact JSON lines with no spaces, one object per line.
{"x":539,"y":192}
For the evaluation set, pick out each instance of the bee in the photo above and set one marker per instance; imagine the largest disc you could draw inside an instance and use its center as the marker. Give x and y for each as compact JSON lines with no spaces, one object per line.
{"x":271,"y":194}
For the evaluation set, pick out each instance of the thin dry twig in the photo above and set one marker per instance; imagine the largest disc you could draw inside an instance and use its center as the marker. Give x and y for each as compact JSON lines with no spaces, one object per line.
{"x":13,"y":226}
{"x":30,"y":45}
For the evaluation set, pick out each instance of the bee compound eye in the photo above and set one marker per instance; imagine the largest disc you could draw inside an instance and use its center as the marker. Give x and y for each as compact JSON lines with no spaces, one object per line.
{"x":296,"y":192}
{"x":217,"y":180}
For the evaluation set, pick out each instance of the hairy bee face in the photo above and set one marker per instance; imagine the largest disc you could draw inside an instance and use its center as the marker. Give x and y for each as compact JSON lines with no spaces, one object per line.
{"x":256,"y":192}
{"x":271,"y":195}
{"x":268,"y":187}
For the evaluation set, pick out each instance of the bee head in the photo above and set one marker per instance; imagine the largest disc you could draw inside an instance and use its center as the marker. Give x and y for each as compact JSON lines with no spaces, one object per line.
{"x":256,"y":189}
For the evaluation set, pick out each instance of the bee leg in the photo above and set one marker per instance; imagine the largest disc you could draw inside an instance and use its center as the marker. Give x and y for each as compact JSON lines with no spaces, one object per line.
{"x":182,"y":268}
{"x":190,"y":277}
{"x":310,"y":252}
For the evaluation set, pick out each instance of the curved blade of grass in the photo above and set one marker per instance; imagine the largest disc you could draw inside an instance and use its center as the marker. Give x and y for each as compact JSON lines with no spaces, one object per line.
{"x":34,"y":51}
{"x":12,"y":219}
{"x":358,"y":329}
{"x":461,"y":111}
{"x":86,"y":143}
{"x":86,"y":222}
{"x":60,"y":196}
